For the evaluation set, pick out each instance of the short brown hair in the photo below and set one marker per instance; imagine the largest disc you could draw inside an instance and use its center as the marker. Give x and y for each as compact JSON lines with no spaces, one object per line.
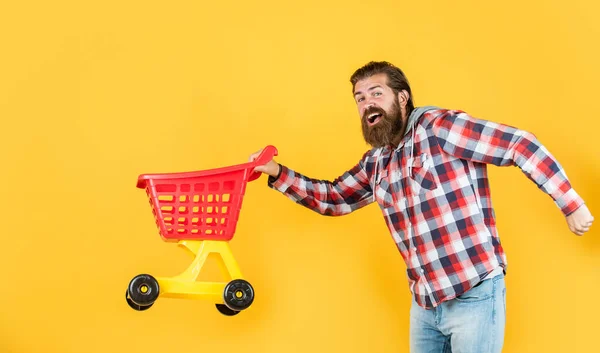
{"x":396,"y":79}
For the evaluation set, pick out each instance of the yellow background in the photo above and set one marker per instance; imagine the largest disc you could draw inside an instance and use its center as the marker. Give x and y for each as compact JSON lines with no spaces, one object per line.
{"x":92,"y":94}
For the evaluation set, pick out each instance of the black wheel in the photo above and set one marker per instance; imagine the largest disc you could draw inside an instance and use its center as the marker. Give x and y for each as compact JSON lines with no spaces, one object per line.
{"x":143,"y":290}
{"x":223,"y":309}
{"x":238,"y":295}
{"x":133,"y":305}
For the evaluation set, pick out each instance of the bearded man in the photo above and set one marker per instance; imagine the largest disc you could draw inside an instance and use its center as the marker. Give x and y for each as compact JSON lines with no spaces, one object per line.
{"x":427,"y":171}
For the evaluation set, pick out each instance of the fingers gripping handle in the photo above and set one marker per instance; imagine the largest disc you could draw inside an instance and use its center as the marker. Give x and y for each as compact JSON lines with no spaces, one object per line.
{"x":265,"y":156}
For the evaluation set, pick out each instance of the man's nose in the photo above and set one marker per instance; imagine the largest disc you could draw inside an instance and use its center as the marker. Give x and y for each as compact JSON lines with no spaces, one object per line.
{"x":370,"y":102}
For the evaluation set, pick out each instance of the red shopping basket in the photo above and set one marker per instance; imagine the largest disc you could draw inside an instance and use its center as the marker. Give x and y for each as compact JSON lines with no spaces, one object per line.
{"x":202,"y":205}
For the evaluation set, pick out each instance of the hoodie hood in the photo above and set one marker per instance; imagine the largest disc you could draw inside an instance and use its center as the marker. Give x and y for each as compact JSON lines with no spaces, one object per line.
{"x":416,"y":114}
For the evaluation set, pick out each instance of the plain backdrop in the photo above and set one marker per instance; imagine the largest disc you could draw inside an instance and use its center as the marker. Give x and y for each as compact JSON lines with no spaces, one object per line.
{"x":94,"y":93}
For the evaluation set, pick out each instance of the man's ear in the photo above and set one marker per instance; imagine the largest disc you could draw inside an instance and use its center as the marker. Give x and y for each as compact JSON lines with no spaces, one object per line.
{"x":403,"y":97}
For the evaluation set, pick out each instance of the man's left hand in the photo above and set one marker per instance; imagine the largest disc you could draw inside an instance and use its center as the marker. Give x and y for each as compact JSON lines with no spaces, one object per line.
{"x":580,"y":221}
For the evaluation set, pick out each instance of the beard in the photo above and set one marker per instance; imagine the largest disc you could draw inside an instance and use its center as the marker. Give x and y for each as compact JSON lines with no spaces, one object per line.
{"x":389,"y":127}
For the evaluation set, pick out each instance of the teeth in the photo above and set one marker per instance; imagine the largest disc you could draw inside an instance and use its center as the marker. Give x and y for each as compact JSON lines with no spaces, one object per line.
{"x":373,"y":116}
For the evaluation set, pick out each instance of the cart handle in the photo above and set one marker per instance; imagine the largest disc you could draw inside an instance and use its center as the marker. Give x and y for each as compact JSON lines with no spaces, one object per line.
{"x":265,"y":156}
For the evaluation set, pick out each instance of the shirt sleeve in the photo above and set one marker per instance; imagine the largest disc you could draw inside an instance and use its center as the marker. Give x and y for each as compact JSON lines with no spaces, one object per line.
{"x":347,"y":193}
{"x":488,"y":142}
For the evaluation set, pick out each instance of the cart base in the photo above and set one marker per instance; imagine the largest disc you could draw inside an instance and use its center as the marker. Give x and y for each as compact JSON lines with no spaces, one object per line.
{"x":230,"y":297}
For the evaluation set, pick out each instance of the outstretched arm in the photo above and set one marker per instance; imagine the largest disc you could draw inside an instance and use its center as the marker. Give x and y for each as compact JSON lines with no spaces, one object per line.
{"x":488,"y":142}
{"x":344,"y":195}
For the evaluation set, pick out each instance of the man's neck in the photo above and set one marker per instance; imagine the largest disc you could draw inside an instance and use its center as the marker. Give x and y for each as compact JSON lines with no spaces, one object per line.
{"x":398,"y":138}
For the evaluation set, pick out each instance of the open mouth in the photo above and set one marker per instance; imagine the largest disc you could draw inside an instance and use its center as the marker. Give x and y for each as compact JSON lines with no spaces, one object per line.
{"x":374,"y":118}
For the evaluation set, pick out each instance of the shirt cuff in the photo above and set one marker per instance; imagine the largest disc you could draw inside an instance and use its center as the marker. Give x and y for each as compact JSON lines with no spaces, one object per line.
{"x":283,"y":179}
{"x":569,"y":202}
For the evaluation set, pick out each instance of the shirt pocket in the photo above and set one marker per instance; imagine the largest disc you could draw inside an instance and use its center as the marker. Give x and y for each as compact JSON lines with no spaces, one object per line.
{"x":422,"y":177}
{"x":384,"y":191}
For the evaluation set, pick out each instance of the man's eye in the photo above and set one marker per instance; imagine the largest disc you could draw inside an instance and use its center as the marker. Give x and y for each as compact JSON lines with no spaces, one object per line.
{"x":360,"y":99}
{"x":377,"y":94}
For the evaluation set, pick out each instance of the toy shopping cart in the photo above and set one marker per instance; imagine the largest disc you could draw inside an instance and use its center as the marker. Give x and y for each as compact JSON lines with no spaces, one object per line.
{"x":199,"y":211}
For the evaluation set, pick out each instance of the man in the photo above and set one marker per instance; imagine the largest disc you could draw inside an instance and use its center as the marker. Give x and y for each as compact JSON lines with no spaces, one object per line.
{"x":427,"y":172}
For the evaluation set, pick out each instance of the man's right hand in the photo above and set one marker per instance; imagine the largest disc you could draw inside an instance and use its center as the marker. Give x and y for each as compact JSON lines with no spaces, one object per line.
{"x":271,"y":168}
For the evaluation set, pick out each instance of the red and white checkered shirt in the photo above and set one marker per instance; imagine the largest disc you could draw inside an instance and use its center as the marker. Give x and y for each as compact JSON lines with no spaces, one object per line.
{"x":433,"y":191}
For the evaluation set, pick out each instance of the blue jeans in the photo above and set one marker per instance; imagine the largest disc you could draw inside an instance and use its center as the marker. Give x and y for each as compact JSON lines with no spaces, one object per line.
{"x":471,"y":323}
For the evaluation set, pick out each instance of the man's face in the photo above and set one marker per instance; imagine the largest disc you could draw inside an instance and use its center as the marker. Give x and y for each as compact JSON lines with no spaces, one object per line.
{"x":380,"y":111}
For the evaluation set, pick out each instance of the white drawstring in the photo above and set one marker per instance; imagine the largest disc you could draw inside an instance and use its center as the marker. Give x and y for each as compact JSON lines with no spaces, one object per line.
{"x":412,"y":143}
{"x":377,"y":176}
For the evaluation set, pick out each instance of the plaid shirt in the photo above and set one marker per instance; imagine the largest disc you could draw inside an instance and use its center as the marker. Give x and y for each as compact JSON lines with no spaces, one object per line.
{"x":434,"y":194}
